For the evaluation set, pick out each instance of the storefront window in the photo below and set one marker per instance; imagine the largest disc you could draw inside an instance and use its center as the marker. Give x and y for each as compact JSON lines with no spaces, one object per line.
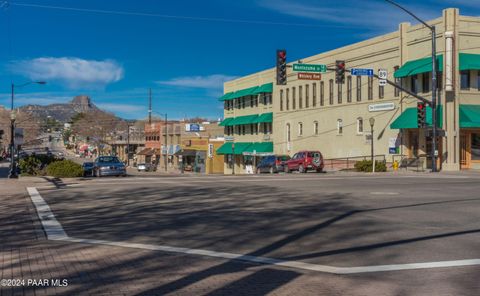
{"x":475,"y":146}
{"x":465,"y":79}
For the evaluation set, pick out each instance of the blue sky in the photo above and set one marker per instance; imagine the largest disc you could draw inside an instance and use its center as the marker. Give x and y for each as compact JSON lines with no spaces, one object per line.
{"x":183,"y":50}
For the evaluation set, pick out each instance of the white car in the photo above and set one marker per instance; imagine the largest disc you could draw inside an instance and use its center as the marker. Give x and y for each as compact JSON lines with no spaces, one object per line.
{"x":145,"y":167}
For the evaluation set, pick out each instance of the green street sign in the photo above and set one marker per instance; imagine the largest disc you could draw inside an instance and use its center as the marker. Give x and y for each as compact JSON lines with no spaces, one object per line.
{"x":310,"y":68}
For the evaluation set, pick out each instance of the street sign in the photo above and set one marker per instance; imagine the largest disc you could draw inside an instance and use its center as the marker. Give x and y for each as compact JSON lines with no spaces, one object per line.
{"x":381,"y":107}
{"x":362,"y":72}
{"x":309,"y":68}
{"x":382,"y":77}
{"x":309,"y":76}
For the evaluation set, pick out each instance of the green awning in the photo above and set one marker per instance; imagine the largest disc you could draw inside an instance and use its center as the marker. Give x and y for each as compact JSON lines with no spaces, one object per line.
{"x":408,"y":119}
{"x":239,"y":148}
{"x":247,"y":119}
{"x":469,"y":116}
{"x":265,"y":117}
{"x":263,"y":147}
{"x":264,"y":88}
{"x":227,"y":121}
{"x":418,"y":66}
{"x":226,"y":96}
{"x":469,"y":61}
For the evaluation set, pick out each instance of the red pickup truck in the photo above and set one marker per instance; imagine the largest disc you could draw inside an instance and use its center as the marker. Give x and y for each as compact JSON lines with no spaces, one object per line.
{"x":303,"y":161}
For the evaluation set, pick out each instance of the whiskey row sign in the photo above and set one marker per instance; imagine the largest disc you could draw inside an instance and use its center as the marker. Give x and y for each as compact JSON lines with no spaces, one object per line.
{"x":309,"y":76}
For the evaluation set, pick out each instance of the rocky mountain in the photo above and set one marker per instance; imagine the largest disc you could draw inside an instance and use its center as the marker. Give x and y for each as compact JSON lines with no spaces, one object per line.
{"x":62,"y":112}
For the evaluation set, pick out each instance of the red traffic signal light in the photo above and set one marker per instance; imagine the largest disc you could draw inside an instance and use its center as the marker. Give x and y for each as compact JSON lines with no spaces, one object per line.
{"x":340,"y":72}
{"x":421,"y":116}
{"x":281,"y":67}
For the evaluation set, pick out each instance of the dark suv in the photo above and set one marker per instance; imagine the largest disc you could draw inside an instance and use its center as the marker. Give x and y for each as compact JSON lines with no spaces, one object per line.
{"x":305,"y":160}
{"x":272,"y":164}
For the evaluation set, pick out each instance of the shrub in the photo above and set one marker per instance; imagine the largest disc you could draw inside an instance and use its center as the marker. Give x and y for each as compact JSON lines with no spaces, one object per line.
{"x":366,"y":166}
{"x":30,"y":166}
{"x":64,"y":169}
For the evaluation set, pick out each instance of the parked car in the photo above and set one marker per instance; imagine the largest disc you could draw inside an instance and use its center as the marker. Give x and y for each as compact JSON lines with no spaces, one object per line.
{"x":305,"y":160}
{"x":87,"y":169}
{"x":272,"y":164}
{"x":146,"y":167}
{"x":109,"y":166}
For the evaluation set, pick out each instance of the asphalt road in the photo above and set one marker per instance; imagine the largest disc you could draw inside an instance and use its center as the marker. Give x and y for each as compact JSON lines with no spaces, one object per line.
{"x":319,"y":219}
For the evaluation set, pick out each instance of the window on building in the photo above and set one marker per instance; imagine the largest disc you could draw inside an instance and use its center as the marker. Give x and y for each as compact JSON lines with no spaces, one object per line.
{"x":268,"y":98}
{"x":439,"y":80}
{"x":307,"y":96}
{"x":288,"y":133}
{"x":300,"y":129}
{"x":287,"y":99}
{"x":381,"y":91}
{"x":478,"y":79}
{"x":359,"y":125}
{"x":414,"y":83}
{"x":465,"y":79}
{"x":294,"y":98}
{"x":349,"y":89}
{"x":244,"y":129}
{"x":425,"y":82}
{"x":370,"y":88}
{"x":396,"y":91}
{"x":339,"y":93}
{"x":339,"y":126}
{"x":255,"y":100}
{"x":322,"y":93}
{"x":314,"y":94}
{"x":315,"y":127}
{"x":243,"y":102}
{"x":359,"y":88}
{"x":281,"y":100}
{"x":475,"y":146}
{"x":300,"y":97}
{"x":330,"y":91}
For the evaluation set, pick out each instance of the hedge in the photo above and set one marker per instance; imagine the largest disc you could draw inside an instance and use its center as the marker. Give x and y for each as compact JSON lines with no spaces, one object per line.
{"x":366,"y":166}
{"x":64,"y":169}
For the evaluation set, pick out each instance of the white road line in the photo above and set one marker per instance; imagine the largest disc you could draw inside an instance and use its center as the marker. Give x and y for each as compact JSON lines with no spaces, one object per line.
{"x":55,"y":231}
{"x":52,"y":227}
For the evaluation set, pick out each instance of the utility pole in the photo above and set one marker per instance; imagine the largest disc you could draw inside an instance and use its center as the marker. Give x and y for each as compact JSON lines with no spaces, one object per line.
{"x":166,"y":142}
{"x":128,"y":144}
{"x":433,"y":103}
{"x":150,"y":107}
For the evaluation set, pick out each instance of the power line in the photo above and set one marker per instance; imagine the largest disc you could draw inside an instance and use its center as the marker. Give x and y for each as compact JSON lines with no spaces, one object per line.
{"x":167,"y":16}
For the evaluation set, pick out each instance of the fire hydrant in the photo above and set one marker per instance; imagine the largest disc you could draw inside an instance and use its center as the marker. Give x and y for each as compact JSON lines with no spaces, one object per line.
{"x":395,"y":165}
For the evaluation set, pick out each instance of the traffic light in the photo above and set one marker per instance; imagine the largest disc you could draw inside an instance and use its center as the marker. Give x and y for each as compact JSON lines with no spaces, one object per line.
{"x":49,"y":138}
{"x":340,"y":72}
{"x":421,"y":108}
{"x":281,"y":67}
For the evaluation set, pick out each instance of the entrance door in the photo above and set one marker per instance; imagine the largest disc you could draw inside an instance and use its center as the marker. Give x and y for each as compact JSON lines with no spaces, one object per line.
{"x":464,"y":159}
{"x":412,"y":144}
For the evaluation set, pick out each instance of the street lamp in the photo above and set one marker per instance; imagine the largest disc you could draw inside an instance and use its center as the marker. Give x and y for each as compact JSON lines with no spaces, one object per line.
{"x":434,"y":84}
{"x":13,"y":169}
{"x":372,"y":123}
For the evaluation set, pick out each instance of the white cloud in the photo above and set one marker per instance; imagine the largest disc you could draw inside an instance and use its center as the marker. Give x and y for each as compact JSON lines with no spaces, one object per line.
{"x":73,"y":72}
{"x":373,"y":15}
{"x":207,"y":82}
{"x":123,"y":108}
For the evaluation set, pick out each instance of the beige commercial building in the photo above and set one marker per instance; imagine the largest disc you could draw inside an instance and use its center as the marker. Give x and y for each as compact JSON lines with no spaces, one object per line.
{"x":334,"y":118}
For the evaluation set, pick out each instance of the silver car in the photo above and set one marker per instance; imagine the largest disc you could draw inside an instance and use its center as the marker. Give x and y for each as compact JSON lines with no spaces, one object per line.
{"x":109,"y":166}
